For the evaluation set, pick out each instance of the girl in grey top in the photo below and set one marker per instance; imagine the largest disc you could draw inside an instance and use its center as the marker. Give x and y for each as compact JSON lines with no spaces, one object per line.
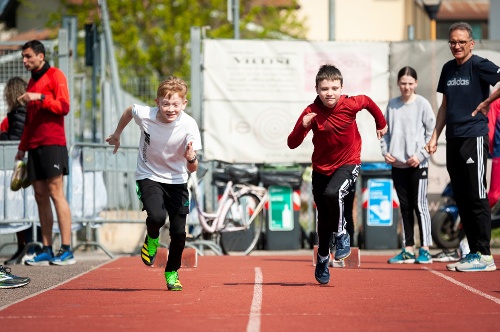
{"x":411,"y":121}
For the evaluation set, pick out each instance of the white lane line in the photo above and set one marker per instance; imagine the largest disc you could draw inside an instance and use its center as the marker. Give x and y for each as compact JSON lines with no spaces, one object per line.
{"x":469,"y":288}
{"x":254,"y":320}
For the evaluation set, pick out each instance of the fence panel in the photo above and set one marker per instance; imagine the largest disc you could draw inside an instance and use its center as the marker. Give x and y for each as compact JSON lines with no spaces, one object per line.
{"x":107,"y":192}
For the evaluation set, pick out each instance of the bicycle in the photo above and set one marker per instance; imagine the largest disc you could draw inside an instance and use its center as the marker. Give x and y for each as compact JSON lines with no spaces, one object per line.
{"x":236,"y":225}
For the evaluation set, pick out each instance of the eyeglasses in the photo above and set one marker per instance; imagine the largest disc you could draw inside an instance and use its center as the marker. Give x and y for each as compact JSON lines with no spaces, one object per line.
{"x":460,"y":43}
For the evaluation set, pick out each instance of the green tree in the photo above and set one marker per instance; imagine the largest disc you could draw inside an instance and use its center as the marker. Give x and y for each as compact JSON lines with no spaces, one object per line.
{"x":152,"y":37}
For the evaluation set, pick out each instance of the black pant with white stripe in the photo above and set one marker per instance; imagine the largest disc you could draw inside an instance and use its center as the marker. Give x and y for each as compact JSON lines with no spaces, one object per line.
{"x":466,"y":159}
{"x":411,"y":187}
{"x":329,"y":192}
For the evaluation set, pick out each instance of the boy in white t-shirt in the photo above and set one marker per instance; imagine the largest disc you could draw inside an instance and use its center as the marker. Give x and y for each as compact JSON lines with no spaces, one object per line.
{"x":167,"y":154}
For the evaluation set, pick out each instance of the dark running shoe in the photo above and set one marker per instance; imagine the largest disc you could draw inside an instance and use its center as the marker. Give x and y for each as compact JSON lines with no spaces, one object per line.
{"x":343,"y":246}
{"x":446,"y":256}
{"x":332,"y":243}
{"x":173,"y":282}
{"x":16,"y":258}
{"x":321,"y":272}
{"x":8,"y":280}
{"x":148,"y":251}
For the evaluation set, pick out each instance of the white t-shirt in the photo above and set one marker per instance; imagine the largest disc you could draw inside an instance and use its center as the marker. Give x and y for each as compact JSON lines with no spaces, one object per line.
{"x":162,"y":145}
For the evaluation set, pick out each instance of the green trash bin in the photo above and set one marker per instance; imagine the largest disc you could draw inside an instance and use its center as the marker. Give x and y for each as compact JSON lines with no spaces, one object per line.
{"x":283,"y":231}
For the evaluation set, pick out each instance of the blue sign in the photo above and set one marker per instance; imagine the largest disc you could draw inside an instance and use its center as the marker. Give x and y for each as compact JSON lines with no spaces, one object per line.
{"x":379,"y":202}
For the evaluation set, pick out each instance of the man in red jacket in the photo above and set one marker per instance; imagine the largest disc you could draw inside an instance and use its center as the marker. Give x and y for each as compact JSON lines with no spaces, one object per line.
{"x":44,"y":138}
{"x":336,"y":158}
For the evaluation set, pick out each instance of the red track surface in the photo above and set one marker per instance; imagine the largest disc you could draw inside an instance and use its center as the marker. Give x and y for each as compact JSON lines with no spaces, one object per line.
{"x":126,"y":295}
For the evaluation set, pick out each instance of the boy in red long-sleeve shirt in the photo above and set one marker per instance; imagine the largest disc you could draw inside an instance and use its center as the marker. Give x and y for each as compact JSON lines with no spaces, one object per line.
{"x":336,"y":158}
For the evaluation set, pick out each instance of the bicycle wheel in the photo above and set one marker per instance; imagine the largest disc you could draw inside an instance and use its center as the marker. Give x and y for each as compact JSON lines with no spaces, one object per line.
{"x":236,"y":239}
{"x":443,"y":232}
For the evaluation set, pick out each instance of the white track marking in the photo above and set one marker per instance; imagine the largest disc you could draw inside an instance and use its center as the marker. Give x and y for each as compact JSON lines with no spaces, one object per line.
{"x":254,"y":320}
{"x":469,"y":288}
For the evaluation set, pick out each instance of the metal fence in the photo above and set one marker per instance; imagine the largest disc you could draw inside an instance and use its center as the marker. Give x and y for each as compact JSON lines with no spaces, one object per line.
{"x":100,"y":189}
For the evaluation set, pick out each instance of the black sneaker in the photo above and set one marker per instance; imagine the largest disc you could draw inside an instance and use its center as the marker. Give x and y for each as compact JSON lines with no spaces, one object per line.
{"x":343,"y":246}
{"x":16,"y":258}
{"x":8,"y":280}
{"x":321,"y":272}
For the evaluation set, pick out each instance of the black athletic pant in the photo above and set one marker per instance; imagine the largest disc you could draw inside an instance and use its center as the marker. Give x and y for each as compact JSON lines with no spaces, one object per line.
{"x":158,"y":200}
{"x":329,"y":192}
{"x":348,"y":211}
{"x":411,"y":187}
{"x":466,"y":163}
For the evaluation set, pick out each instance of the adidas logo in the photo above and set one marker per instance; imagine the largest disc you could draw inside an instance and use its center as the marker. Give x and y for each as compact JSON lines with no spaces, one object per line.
{"x":424,"y":173}
{"x":469,"y":161}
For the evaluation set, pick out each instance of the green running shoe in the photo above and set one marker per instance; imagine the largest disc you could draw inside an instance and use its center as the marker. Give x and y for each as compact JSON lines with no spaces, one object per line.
{"x":148,"y":251}
{"x":173,"y":282}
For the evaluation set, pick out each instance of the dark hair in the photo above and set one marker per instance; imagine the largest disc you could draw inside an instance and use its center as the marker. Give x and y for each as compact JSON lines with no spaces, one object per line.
{"x":14,"y":88}
{"x":36,"y":46}
{"x":330,"y":73}
{"x":461,"y":26}
{"x":407,"y":71}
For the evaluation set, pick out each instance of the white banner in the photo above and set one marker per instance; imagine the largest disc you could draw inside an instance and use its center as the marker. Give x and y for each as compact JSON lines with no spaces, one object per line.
{"x":255,"y":90}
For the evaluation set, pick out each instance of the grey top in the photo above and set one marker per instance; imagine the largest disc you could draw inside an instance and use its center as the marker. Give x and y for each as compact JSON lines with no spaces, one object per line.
{"x":410,"y":128}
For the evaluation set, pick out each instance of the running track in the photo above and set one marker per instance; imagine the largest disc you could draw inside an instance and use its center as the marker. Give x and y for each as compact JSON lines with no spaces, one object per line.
{"x":264,"y":293}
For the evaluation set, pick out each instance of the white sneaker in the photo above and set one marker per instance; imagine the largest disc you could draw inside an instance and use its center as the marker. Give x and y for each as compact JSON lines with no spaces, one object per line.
{"x":477,"y":263}
{"x":453,"y":266}
{"x":337,"y":263}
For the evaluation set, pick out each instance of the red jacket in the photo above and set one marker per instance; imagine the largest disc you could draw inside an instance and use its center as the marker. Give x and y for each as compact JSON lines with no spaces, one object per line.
{"x":494,"y":128}
{"x":45,"y":119}
{"x":336,"y":138}
{"x":4,"y":126}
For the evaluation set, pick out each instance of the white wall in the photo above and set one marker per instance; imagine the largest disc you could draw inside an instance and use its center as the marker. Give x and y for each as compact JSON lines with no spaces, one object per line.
{"x":359,"y":20}
{"x":316,"y":12}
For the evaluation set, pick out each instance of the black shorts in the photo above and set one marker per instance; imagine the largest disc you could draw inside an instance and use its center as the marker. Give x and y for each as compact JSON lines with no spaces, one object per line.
{"x":45,"y":162}
{"x":156,"y":196}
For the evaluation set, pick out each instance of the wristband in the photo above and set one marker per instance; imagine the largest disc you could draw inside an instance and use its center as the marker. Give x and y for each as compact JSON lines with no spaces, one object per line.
{"x":192,"y":160}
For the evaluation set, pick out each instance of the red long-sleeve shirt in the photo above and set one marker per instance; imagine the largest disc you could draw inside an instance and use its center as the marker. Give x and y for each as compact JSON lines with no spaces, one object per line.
{"x":45,"y":118}
{"x":336,"y":138}
{"x":494,"y":128}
